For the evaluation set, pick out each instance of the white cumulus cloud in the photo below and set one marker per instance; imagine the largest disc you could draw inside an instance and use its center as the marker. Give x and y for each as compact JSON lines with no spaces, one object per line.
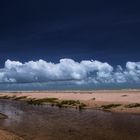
{"x":86,"y":71}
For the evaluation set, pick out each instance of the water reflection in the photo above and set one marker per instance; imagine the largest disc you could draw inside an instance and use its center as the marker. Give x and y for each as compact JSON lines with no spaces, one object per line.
{"x":47,"y":123}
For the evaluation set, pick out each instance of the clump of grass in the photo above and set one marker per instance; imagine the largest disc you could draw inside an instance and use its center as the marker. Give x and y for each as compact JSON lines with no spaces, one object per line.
{"x":51,"y":101}
{"x":5,"y":97}
{"x":70,"y":102}
{"x":48,"y":100}
{"x":41,"y":101}
{"x":59,"y":104}
{"x":34,"y":102}
{"x":109,"y":106}
{"x":14,"y":97}
{"x":132,"y":105}
{"x":65,"y":103}
{"x":20,"y":98}
{"x":81,"y":106}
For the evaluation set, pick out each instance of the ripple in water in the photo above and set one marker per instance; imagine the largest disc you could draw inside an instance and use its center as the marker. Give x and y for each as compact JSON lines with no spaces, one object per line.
{"x":52,"y":123}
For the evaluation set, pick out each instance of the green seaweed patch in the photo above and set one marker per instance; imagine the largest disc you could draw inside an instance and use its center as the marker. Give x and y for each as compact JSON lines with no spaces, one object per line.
{"x":68,"y":103}
{"x":5,"y":97}
{"x":14,"y":97}
{"x":52,"y":101}
{"x":34,"y":102}
{"x":132,"y":105}
{"x":65,"y":103}
{"x":41,"y":101}
{"x":48,"y":100}
{"x":59,"y":104}
{"x":72,"y":103}
{"x":81,"y":106}
{"x":20,"y":98}
{"x":109,"y":106}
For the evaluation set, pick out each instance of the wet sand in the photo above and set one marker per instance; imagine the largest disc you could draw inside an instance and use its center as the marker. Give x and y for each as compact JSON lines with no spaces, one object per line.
{"x":51,"y":123}
{"x":93,"y":99}
{"x":5,"y":135}
{"x":2,"y":116}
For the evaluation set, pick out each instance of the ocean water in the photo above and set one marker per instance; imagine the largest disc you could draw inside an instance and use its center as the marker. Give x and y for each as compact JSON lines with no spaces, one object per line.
{"x":63,"y":85}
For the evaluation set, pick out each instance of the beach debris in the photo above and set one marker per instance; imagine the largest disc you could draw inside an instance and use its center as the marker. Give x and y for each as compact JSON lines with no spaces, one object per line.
{"x":124,"y":95}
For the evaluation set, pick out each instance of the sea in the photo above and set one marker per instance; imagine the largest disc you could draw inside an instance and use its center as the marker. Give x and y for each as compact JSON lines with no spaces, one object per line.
{"x":64,"y":85}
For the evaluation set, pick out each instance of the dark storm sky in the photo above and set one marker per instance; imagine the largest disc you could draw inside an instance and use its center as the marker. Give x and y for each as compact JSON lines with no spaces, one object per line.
{"x":78,"y":29}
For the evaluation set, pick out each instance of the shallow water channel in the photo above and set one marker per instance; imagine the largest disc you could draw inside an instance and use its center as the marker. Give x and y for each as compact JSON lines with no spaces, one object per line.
{"x":52,"y":123}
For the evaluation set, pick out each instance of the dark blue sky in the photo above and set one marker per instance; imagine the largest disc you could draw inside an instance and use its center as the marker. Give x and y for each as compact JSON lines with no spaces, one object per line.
{"x":78,"y":29}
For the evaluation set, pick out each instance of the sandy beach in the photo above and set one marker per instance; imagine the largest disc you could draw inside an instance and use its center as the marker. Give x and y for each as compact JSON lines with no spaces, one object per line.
{"x":112,"y":114}
{"x":93,"y":99}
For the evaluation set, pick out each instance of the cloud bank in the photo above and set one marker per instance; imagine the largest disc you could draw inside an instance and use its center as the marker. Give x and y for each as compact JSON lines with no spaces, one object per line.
{"x":84,"y":72}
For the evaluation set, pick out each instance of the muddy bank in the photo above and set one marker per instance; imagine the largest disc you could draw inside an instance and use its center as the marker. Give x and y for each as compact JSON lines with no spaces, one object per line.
{"x":5,"y":135}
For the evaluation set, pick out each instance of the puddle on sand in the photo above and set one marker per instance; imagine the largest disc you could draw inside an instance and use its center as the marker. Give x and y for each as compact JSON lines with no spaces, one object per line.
{"x":51,"y":123}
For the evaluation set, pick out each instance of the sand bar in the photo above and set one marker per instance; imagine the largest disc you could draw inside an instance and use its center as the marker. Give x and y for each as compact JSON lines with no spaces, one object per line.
{"x":93,"y":99}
